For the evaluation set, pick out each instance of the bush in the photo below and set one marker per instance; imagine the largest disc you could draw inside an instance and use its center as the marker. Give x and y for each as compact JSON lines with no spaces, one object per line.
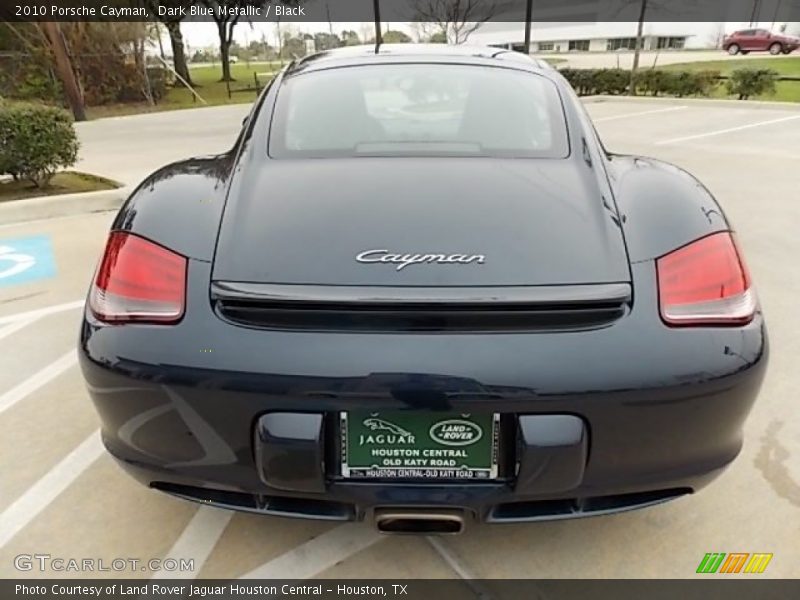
{"x":706,"y":81}
{"x":158,"y":77}
{"x":581,"y":80}
{"x":655,"y":82}
{"x":35,"y":141}
{"x":650,"y":81}
{"x":587,"y":82}
{"x":751,"y":82}
{"x":612,"y":81}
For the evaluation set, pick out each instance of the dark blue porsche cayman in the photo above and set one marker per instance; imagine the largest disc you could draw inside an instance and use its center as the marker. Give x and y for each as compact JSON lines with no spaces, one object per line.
{"x":418,"y":290}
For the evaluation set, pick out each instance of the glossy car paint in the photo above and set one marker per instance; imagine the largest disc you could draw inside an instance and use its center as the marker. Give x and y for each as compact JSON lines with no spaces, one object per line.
{"x":662,"y":408}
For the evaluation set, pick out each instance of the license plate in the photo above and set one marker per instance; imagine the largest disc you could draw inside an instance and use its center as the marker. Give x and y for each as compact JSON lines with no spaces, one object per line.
{"x":419,"y":445}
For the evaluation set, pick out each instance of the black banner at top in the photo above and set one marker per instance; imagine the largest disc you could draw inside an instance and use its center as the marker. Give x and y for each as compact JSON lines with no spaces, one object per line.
{"x":543,"y":11}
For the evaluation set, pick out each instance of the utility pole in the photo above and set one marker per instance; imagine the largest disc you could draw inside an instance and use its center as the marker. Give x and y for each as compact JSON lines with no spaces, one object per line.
{"x":754,"y":16}
{"x":637,"y":50}
{"x":528,"y":17}
{"x":64,"y":70}
{"x":376,"y":6}
{"x":775,"y":14}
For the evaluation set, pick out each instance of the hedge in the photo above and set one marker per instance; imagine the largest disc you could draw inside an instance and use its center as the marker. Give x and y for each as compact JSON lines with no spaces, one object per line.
{"x":35,"y":141}
{"x":742,"y":82}
{"x":751,"y":82}
{"x":677,"y":83}
{"x":588,"y":82}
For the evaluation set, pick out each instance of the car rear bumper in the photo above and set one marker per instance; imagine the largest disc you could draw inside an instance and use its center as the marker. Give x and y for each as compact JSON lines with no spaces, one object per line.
{"x":661,"y":410}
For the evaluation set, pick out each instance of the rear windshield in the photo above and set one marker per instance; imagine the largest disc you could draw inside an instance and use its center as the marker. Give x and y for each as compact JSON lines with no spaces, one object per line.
{"x":418,"y":109}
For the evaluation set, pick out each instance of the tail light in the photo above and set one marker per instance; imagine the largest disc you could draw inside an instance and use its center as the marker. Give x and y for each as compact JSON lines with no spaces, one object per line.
{"x":705,"y":283}
{"x":138,"y":280}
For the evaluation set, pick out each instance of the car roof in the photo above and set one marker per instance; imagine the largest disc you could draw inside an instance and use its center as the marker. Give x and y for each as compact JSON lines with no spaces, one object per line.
{"x":392,"y":53}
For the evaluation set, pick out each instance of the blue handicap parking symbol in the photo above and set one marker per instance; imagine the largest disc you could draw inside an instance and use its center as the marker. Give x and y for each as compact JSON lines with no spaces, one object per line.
{"x":26,"y":259}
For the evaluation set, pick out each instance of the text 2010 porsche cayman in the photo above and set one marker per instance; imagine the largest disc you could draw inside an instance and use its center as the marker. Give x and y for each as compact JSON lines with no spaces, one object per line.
{"x":418,"y":290}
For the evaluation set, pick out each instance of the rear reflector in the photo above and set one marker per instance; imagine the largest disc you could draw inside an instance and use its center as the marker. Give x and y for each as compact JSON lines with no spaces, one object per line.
{"x":138,"y":280}
{"x":705,"y":283}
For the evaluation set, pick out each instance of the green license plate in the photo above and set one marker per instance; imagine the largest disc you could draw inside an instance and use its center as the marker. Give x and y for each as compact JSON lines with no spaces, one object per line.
{"x":419,"y":445}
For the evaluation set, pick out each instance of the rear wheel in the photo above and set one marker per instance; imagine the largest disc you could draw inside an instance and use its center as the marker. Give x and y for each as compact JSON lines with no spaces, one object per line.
{"x":733,"y":49}
{"x":775,"y":48}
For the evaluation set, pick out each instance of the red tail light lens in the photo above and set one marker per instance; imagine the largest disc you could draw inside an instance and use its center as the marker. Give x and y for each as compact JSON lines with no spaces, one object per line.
{"x":138,"y":280}
{"x":705,"y":283}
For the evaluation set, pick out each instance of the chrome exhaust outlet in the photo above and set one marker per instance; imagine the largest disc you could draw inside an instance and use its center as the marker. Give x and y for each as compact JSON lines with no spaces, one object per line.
{"x":422,"y":521}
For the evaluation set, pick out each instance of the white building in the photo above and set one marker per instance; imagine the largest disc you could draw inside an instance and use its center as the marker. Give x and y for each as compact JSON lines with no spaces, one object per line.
{"x":605,"y":36}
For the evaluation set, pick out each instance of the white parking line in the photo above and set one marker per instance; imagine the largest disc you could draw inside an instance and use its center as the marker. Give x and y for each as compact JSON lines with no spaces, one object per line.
{"x":40,"y":312}
{"x":37,"y":380}
{"x":728,"y":130}
{"x":460,"y":568}
{"x":639,"y":114}
{"x":25,"y":508}
{"x":197,"y":541}
{"x":317,"y":554}
{"x":14,"y":327}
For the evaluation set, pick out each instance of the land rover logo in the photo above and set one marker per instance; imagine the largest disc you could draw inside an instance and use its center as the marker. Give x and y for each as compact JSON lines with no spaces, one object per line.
{"x":404,"y":260}
{"x":455,"y":432}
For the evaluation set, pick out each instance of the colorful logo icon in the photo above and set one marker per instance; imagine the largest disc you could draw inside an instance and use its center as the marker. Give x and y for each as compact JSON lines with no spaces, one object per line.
{"x":734,"y":562}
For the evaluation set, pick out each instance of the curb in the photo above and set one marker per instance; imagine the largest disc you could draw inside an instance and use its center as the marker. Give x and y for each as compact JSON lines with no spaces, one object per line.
{"x":704,"y":102}
{"x":48,"y":207}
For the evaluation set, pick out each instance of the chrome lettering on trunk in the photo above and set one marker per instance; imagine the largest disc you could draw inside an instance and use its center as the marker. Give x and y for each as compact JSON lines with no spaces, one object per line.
{"x":404,"y":260}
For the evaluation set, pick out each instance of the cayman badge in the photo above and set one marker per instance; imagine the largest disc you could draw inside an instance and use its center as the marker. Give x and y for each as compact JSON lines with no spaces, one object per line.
{"x":404,"y":260}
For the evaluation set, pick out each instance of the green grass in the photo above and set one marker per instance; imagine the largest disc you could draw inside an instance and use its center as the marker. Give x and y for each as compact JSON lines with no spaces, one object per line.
{"x":786,"y":91}
{"x":206,"y":81}
{"x":67,"y":182}
{"x":785,"y":65}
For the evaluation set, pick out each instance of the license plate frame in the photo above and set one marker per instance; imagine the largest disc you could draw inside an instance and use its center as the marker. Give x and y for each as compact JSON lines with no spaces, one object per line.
{"x":444,"y":446}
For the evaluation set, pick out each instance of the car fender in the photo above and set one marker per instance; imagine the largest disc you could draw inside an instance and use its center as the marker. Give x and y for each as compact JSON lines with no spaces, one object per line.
{"x":661,"y":206}
{"x":180,"y":205}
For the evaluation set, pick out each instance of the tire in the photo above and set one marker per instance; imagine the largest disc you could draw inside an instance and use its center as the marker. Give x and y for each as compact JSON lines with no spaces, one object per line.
{"x":733,"y":49}
{"x":775,"y":48}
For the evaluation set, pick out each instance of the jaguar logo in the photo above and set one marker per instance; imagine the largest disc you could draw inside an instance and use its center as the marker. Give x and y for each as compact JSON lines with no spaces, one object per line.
{"x":404,"y":260}
{"x":376,"y":424}
{"x":455,"y":432}
{"x":385,"y":432}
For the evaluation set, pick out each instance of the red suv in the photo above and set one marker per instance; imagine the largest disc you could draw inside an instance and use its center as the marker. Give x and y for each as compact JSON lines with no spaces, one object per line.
{"x":756,"y":40}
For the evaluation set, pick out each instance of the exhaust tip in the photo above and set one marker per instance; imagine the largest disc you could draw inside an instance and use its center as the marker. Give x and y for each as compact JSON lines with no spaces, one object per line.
{"x":419,"y":521}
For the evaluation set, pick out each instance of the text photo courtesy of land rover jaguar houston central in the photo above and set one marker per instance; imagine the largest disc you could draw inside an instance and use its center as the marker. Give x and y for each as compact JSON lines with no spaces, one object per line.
{"x":419,"y":291}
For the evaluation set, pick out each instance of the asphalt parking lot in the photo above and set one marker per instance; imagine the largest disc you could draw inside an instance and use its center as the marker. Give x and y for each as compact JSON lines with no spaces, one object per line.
{"x":61,"y":495}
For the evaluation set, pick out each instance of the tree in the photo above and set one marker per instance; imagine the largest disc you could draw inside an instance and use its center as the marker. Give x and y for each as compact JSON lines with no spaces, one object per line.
{"x":396,"y":37}
{"x":326,"y":41}
{"x":171,"y":17}
{"x":456,"y":19}
{"x":294,"y":46}
{"x":64,"y":69}
{"x":226,"y":14}
{"x":350,"y":38}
